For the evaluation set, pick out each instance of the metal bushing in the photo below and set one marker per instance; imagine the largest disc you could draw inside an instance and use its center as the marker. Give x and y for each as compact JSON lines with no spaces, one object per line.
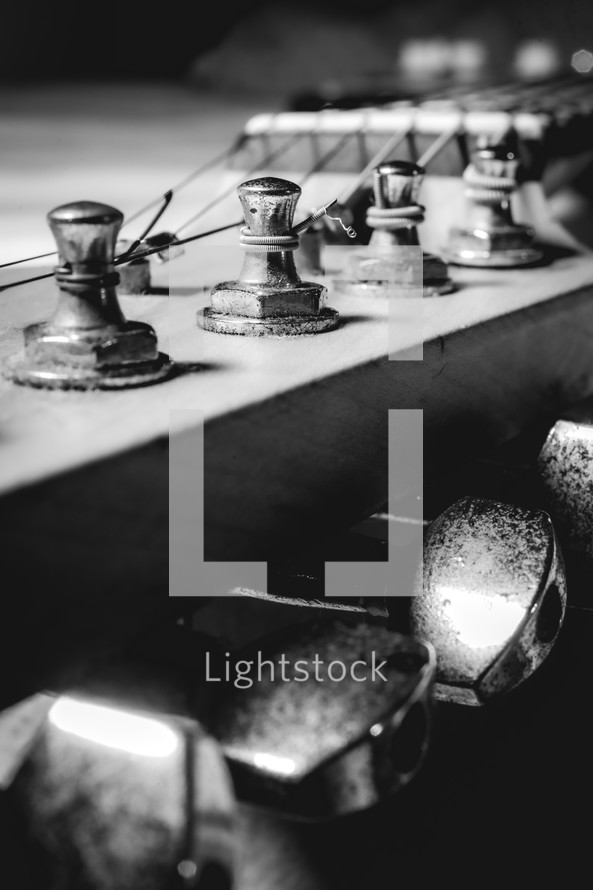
{"x":116,"y":798}
{"x":269,"y":297}
{"x":88,"y":343}
{"x":489,"y":236}
{"x":565,"y":464}
{"x":347,"y":727}
{"x":388,"y":266}
{"x":491,"y":597}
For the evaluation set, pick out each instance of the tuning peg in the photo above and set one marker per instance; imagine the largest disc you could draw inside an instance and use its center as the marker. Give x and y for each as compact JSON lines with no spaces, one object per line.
{"x":490,"y":237}
{"x":88,"y":343}
{"x":491,"y":597}
{"x":326,"y":718}
{"x":393,"y":262}
{"x":269,"y":297}
{"x":395,"y":217}
{"x":109,"y":796}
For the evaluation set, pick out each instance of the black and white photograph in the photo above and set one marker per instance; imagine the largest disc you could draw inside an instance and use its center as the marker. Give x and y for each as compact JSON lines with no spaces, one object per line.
{"x":296,"y":445}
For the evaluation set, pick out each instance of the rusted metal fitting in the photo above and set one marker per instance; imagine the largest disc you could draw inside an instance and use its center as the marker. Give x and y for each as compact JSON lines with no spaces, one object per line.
{"x":269,"y":297}
{"x":565,"y":464}
{"x":88,"y":343}
{"x":490,"y":237}
{"x":393,"y":263}
{"x":122,"y":798}
{"x":347,"y":727}
{"x":491,"y":597}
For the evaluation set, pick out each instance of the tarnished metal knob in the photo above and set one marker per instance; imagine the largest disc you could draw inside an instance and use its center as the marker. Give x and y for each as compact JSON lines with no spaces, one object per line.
{"x":269,"y":297}
{"x":393,"y":260}
{"x":348,"y":725}
{"x":88,"y":343}
{"x":565,"y":465}
{"x":491,"y":597}
{"x":489,"y":236}
{"x":114,"y":798}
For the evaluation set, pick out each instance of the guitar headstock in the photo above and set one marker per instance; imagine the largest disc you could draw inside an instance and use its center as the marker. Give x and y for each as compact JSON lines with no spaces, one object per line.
{"x":295,"y":426}
{"x":274,"y":370}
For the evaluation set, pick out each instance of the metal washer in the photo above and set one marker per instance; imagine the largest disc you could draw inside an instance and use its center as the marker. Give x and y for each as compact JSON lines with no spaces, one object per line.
{"x":502,"y":259}
{"x":279,"y":326}
{"x":18,"y":370}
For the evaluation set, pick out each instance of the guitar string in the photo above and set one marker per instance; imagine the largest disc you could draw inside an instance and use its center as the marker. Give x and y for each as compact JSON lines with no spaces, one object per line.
{"x":204,"y":168}
{"x":227,"y":153}
{"x":199,"y":171}
{"x":140,"y":255}
{"x":239,"y":141}
{"x":269,"y":158}
{"x":391,"y":144}
{"x":319,"y":165}
{"x":395,"y":140}
{"x":167,"y":199}
{"x":168,"y":195}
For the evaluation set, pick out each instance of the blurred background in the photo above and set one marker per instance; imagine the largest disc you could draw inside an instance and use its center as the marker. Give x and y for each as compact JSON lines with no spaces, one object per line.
{"x":118,"y":102}
{"x":282,"y":46}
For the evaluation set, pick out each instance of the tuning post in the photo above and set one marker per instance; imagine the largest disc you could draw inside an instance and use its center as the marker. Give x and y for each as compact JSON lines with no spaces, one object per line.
{"x":88,"y":343}
{"x":491,"y":237}
{"x":393,"y":261}
{"x":269,"y":297}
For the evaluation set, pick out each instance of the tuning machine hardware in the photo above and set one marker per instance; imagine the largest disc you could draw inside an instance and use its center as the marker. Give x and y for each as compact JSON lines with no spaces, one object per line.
{"x":393,"y":262}
{"x":88,"y":343}
{"x":491,"y":597}
{"x":108,"y":796}
{"x":490,"y":237}
{"x":565,"y":464}
{"x":269,"y":297}
{"x":348,"y":725}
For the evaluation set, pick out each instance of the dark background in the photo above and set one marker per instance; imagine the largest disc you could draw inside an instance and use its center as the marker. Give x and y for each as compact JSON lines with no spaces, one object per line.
{"x":311,"y":39}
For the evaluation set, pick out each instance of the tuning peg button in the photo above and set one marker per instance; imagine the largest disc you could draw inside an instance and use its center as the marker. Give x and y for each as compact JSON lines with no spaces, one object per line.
{"x":348,"y":727}
{"x":491,"y":597}
{"x":88,"y":343}
{"x":123,"y":798}
{"x":565,"y":464}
